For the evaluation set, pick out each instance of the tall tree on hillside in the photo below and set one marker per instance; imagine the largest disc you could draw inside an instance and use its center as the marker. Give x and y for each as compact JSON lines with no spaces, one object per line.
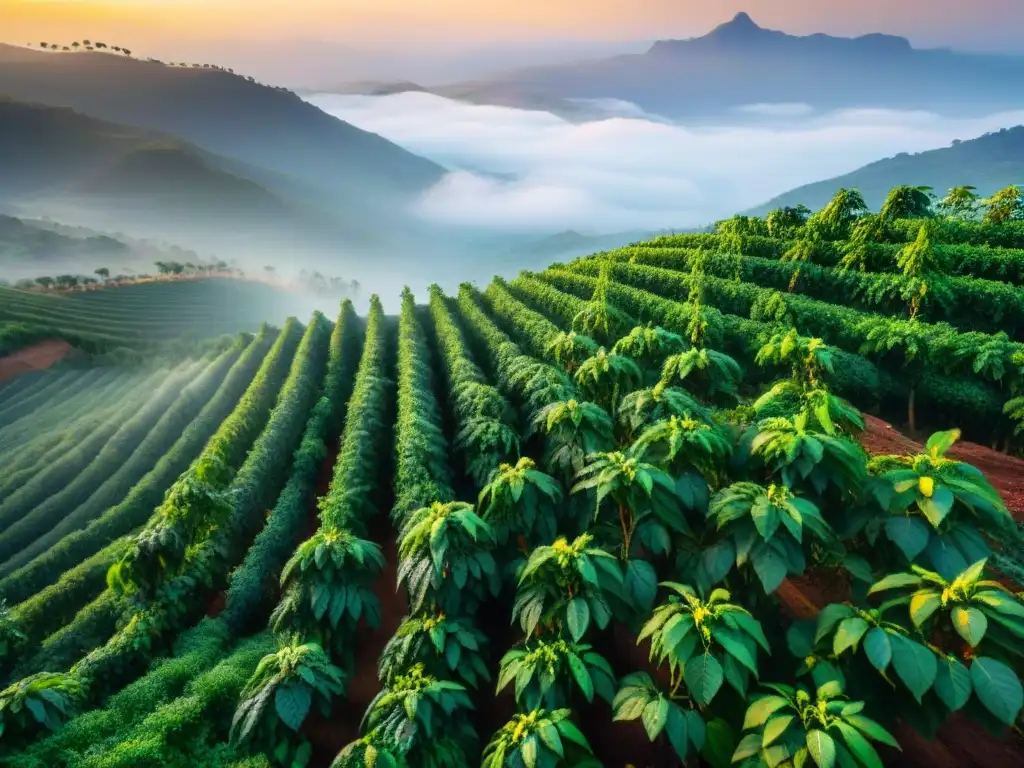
{"x":959,"y":203}
{"x":783,"y":221}
{"x":75,"y":45}
{"x":1005,"y":205}
{"x":921,"y":269}
{"x":835,"y":219}
{"x":103,"y":272}
{"x":907,"y":202}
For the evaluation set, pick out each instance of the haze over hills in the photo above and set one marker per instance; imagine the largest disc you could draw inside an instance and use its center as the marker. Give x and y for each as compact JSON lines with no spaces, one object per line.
{"x":226,"y":114}
{"x":739,"y":63}
{"x":61,"y":163}
{"x":989,"y":163}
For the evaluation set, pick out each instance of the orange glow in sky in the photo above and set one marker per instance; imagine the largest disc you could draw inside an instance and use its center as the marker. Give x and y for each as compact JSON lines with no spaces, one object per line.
{"x":368,"y":20}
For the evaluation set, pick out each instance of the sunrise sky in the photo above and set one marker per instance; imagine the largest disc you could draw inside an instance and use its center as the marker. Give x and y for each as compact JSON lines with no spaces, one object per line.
{"x":979,"y":24}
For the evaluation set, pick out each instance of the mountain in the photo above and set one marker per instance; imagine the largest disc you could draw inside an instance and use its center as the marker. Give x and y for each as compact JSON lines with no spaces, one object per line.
{"x":990,"y":162}
{"x":335,"y":163}
{"x":740,"y":63}
{"x":60,"y":163}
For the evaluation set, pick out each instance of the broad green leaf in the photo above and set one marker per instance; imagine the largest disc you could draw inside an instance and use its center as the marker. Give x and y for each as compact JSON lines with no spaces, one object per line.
{"x":895,"y":581}
{"x":759,"y":712}
{"x":720,"y":741}
{"x":998,"y":688}
{"x":630,"y":707}
{"x":291,"y":702}
{"x":528,"y":751}
{"x":914,"y":663}
{"x":735,"y":644}
{"x":970,"y":623}
{"x":770,"y":569}
{"x":849,"y":634}
{"x":774,"y":729}
{"x":922,"y":605}
{"x":859,"y":746}
{"x":831,"y":615}
{"x":952,"y":683}
{"x":703,"y":676}
{"x":872,"y":729}
{"x":908,"y":533}
{"x":676,"y":730}
{"x":940,"y":442}
{"x":577,"y":616}
{"x":749,"y":746}
{"x":582,"y":676}
{"x":936,"y":507}
{"x":822,"y":748}
{"x":877,"y":648}
{"x":655,"y":716}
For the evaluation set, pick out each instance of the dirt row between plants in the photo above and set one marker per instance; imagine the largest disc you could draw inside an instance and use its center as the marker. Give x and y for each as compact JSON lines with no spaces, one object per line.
{"x":34,"y":358}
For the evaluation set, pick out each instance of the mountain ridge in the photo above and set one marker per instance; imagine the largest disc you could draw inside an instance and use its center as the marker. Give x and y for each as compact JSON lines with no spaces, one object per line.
{"x":989,"y":162}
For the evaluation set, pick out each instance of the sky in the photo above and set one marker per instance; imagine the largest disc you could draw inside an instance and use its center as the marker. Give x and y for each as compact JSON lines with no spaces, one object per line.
{"x":980,"y":24}
{"x":528,"y":170}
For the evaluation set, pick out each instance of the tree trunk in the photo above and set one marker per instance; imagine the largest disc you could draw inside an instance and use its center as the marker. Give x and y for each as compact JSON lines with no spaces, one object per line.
{"x":911,"y":420}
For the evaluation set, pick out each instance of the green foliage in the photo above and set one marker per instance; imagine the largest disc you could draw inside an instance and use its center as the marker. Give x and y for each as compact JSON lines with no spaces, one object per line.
{"x":42,"y":700}
{"x":1004,"y":206}
{"x":793,"y":725}
{"x":444,"y":645}
{"x":638,"y":698}
{"x":546,"y":671}
{"x":520,"y":500}
{"x":446,"y":559}
{"x":574,"y":430}
{"x":907,"y":203}
{"x":704,"y":372}
{"x":938,"y":506}
{"x":764,"y":528}
{"x":539,"y":739}
{"x":704,"y":642}
{"x":295,"y":678}
{"x":565,"y":586}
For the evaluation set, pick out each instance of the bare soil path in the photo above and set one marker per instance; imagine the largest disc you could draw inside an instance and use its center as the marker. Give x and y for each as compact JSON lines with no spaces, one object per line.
{"x":33,"y":358}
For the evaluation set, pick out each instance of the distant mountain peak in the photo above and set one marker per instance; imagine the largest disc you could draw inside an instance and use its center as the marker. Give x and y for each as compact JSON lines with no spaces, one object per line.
{"x":741,"y":27}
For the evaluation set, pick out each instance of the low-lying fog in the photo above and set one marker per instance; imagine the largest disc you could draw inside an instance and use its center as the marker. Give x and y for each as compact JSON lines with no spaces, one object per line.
{"x":518,"y":169}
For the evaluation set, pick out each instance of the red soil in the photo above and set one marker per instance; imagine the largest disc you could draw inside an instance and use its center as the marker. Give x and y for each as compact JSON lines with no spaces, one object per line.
{"x":33,"y":358}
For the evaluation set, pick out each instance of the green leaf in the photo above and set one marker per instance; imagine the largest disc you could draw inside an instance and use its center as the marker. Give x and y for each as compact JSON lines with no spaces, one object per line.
{"x":577,"y":615}
{"x":291,"y":703}
{"x":922,"y":605}
{"x":970,"y":623}
{"x":721,"y":740}
{"x":549,"y":735}
{"x":630,"y":707}
{"x":677,"y":732}
{"x":770,"y":569}
{"x":849,"y":634}
{"x":581,"y":675}
{"x":703,"y":676}
{"x":655,"y":716}
{"x":938,"y":506}
{"x":822,"y":748}
{"x":952,"y":683}
{"x":759,"y":712}
{"x":895,"y":581}
{"x":528,"y":751}
{"x":749,"y":746}
{"x":878,"y":649}
{"x":641,"y":582}
{"x":872,"y":729}
{"x":739,"y":646}
{"x":998,"y":688}
{"x":908,"y":533}
{"x":859,"y":746}
{"x":940,"y":442}
{"x":831,"y":615}
{"x":914,"y":663}
{"x":774,"y":729}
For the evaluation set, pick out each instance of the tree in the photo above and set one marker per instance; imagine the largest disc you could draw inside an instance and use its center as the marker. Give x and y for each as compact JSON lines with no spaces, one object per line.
{"x":920,"y":265}
{"x":783,"y":221}
{"x":959,"y":203}
{"x":75,"y":45}
{"x":1005,"y":205}
{"x":103,"y":272}
{"x":836,"y":218}
{"x":906,"y":202}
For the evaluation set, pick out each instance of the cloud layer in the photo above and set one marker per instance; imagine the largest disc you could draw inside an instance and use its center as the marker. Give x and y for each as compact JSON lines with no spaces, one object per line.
{"x":529,"y":170}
